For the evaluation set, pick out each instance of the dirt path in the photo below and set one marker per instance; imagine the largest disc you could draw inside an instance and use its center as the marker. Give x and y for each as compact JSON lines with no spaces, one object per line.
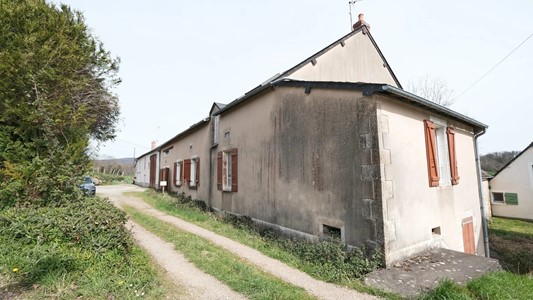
{"x":196,"y":283}
{"x":320,"y":289}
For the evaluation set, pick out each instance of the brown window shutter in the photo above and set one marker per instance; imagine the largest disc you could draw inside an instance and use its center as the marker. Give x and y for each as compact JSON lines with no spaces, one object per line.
{"x":187,"y":171}
{"x":431,"y":153}
{"x":234,"y":169}
{"x":219,"y":171}
{"x":453,"y":158}
{"x":197,"y":171}
{"x":175,"y":173}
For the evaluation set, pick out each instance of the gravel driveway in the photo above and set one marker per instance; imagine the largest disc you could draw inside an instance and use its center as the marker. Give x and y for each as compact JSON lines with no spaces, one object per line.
{"x":201,"y":285}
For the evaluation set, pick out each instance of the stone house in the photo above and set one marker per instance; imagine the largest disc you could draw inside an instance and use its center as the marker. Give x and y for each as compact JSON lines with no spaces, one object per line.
{"x":335,"y":147}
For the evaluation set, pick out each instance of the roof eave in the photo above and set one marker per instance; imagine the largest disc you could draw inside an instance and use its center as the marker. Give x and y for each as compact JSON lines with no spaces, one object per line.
{"x":433,"y":106}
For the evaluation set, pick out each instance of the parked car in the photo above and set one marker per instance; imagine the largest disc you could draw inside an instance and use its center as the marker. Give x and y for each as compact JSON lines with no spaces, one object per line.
{"x":88,"y":187}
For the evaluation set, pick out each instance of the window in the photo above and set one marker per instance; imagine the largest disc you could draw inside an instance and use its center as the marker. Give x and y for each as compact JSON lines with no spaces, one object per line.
{"x":505,"y":198}
{"x":227,"y":170}
{"x":194,"y":173}
{"x":331,"y":231}
{"x":178,"y":173}
{"x":497,"y":197}
{"x":191,"y":172}
{"x":216,"y":129}
{"x":441,"y":155}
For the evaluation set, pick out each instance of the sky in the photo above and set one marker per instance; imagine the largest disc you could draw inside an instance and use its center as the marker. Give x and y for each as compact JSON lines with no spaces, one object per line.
{"x":178,"y":57}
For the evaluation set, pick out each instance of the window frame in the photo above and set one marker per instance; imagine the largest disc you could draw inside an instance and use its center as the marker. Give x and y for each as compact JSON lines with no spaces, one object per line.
{"x":216,"y":129}
{"x":227,"y":170}
{"x":194,"y":181}
{"x":441,"y":153}
{"x":178,"y":173}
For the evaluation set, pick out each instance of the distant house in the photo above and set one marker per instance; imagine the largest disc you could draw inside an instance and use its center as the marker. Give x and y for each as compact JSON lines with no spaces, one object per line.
{"x":511,"y":188}
{"x":335,"y":147}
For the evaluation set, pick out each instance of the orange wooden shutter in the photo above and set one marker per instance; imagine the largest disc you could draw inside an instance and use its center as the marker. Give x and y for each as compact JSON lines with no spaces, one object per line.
{"x":197,"y":171}
{"x":219,"y":170}
{"x":453,"y":158}
{"x":187,"y":171}
{"x":431,"y":153}
{"x":234,"y":169}
{"x":175,"y":173}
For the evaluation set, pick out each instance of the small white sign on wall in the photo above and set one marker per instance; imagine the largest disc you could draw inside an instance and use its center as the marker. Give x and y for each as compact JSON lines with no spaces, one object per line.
{"x":163,"y":183}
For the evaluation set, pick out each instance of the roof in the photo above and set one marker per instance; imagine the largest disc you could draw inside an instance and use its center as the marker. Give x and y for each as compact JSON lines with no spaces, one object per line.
{"x":186,"y":131}
{"x":282,"y":76}
{"x":368,"y":89}
{"x":512,"y":160}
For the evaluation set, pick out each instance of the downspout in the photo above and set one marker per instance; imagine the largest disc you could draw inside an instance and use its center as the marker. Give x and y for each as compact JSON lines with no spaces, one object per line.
{"x":481,"y":195}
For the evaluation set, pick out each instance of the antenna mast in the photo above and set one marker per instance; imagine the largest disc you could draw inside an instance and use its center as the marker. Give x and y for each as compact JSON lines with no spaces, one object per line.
{"x":350,"y":4}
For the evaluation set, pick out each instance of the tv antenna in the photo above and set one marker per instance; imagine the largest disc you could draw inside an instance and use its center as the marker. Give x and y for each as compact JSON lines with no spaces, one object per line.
{"x":350,"y":4}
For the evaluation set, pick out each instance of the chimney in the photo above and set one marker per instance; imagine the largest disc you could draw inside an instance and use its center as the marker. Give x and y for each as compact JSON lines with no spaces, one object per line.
{"x":153,"y":145}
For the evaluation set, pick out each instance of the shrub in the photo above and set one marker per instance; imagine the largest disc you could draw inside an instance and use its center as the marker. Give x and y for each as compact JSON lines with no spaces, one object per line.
{"x":331,"y":259}
{"x":93,"y":223}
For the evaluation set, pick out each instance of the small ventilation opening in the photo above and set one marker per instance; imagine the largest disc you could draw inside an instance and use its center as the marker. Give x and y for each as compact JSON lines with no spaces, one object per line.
{"x":331,"y":231}
{"x":435,"y":231}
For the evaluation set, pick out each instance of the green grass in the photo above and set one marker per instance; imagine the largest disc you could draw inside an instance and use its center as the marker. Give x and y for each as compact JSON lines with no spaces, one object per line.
{"x":78,"y":249}
{"x":67,"y":272}
{"x":493,"y":286}
{"x":244,"y":235}
{"x":226,"y":267}
{"x":502,"y":285}
{"x":511,"y":241}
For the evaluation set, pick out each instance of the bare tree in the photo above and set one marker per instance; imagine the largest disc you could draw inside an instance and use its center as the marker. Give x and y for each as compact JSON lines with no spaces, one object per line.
{"x":434,"y":89}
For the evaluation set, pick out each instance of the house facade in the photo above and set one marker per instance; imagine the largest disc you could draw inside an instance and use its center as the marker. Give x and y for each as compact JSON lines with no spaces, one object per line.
{"x":511,"y":188}
{"x":335,"y":147}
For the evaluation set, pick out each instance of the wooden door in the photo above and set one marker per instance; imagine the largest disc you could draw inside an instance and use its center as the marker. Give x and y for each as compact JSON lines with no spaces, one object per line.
{"x":468,"y":235}
{"x":153,"y":165}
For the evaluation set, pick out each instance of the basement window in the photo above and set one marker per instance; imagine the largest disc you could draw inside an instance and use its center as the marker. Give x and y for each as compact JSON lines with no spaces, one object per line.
{"x":330,"y":231}
{"x":435,"y":230}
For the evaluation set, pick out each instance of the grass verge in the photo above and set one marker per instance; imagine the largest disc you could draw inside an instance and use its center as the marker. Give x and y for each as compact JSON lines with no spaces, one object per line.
{"x":511,"y":241}
{"x":277,"y":249}
{"x":494,"y":286}
{"x":79,"y":250}
{"x":226,"y":267}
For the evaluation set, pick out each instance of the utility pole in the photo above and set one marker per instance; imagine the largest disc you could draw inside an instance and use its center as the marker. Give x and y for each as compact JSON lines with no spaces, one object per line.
{"x":350,"y":4}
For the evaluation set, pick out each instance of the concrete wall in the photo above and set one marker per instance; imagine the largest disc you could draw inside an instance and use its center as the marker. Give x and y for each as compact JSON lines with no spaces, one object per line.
{"x":356,"y":61}
{"x":299,"y":162}
{"x":516,"y":178}
{"x":411,"y":208}
{"x":486,"y":198}
{"x":195,"y":144}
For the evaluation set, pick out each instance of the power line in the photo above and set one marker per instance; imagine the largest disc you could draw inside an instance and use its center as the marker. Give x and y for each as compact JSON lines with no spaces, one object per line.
{"x":484,"y":75}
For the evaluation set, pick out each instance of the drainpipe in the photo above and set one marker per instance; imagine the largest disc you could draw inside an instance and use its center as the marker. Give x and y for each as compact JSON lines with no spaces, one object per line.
{"x":481,"y":196}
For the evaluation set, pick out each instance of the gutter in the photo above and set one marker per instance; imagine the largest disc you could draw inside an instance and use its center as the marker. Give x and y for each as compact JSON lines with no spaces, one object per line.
{"x":484,"y":223}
